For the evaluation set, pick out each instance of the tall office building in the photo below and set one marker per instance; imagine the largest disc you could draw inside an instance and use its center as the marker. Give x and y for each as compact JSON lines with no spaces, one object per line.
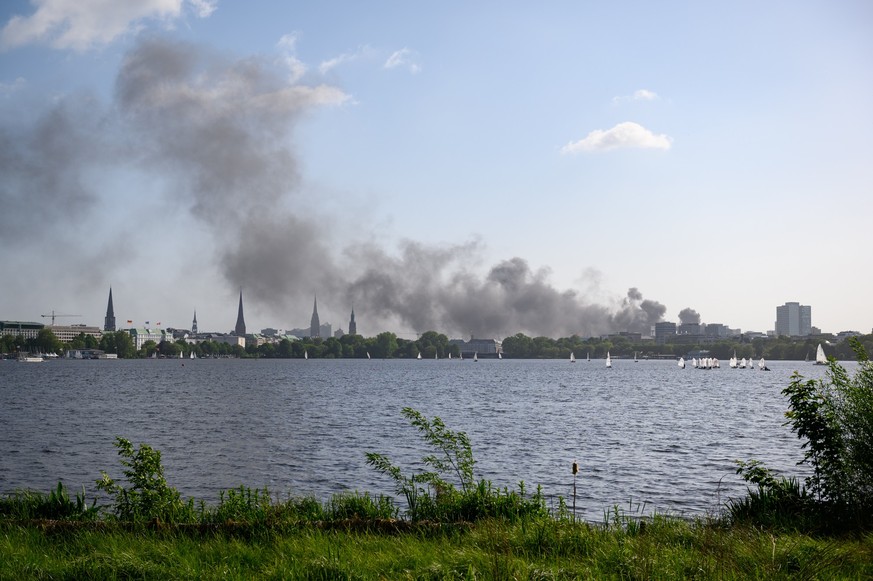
{"x":353,"y":327}
{"x":240,"y":329}
{"x":314,"y":327}
{"x":109,"y":322}
{"x":793,"y":320}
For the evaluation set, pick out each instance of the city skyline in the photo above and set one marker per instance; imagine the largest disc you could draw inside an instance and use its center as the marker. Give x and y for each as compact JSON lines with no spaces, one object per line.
{"x":478,"y":169}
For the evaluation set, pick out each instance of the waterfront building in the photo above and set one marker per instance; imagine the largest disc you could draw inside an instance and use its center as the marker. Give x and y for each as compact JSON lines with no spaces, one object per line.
{"x":142,"y":334}
{"x":66,"y":333}
{"x":240,"y":328}
{"x":480,"y":347}
{"x":353,"y":326}
{"x":314,"y":326}
{"x":25,"y":329}
{"x":663,"y":331}
{"x":793,"y":320}
{"x":109,"y":322}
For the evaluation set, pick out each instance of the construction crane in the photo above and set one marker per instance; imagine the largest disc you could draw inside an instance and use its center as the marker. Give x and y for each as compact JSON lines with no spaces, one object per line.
{"x":54,"y":314}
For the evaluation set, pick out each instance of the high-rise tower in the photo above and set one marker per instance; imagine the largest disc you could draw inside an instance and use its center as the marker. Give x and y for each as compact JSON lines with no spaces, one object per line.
{"x":314,"y":326}
{"x":194,"y":323}
{"x":109,"y":323}
{"x":353,"y":327}
{"x":240,"y":329}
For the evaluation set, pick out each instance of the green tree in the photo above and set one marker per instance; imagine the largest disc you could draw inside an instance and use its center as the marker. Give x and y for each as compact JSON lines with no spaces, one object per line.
{"x":46,"y":342}
{"x":385,"y":345}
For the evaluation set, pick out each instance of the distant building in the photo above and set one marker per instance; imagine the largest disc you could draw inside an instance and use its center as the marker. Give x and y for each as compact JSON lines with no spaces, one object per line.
{"x":66,"y":333}
{"x":843,"y":335}
{"x":314,"y":326}
{"x":25,"y":329}
{"x":240,"y":329}
{"x":142,"y":334}
{"x":353,"y":326}
{"x":481,"y":347}
{"x":690,"y":329}
{"x":663,"y":332}
{"x":109,"y":322}
{"x":339,"y":333}
{"x":717,"y":330}
{"x":793,"y":320}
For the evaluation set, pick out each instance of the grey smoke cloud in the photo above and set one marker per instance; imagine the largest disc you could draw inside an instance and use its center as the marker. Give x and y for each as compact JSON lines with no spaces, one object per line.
{"x":216,"y":134}
{"x":689,"y":315}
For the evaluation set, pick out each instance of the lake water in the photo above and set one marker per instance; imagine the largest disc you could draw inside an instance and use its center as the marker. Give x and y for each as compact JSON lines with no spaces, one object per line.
{"x":643,"y":432}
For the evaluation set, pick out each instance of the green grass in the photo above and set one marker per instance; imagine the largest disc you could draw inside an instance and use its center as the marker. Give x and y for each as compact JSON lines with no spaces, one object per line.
{"x":542,"y":548}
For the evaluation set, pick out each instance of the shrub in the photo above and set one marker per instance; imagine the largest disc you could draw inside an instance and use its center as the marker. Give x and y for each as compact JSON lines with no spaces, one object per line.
{"x":57,"y":505}
{"x":148,"y":496}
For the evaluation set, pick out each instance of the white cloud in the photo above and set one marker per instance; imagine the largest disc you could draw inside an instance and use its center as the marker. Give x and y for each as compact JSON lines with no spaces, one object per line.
{"x":622,"y":136}
{"x":83,"y":24}
{"x":363,"y":52}
{"x":403,"y":58}
{"x":288,"y":45}
{"x":7,"y":89}
{"x":638,"y":95}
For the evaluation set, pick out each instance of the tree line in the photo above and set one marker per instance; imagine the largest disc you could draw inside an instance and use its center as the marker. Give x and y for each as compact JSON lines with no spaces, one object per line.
{"x":432,"y":345}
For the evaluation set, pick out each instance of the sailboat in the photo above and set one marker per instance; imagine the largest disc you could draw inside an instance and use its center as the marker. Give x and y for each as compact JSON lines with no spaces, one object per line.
{"x":608,"y":360}
{"x":572,"y":357}
{"x":743,"y":363}
{"x":733,"y":361}
{"x":500,"y":355}
{"x":450,"y":355}
{"x":368,"y":354}
{"x":436,"y":355}
{"x":694,"y":362}
{"x":635,"y":357}
{"x":305,"y":354}
{"x":180,"y":354}
{"x":476,"y":356}
{"x":419,"y":355}
{"x":191,"y":355}
{"x":681,"y":363}
{"x":820,"y":358}
{"x":588,"y":357}
{"x":761,"y":365}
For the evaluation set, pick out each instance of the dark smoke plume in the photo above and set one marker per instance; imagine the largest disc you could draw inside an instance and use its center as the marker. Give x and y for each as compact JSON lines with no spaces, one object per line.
{"x":689,"y":316}
{"x":216,"y":134}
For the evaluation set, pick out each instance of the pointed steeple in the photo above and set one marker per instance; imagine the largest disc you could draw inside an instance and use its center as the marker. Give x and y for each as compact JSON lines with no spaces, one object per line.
{"x":314,"y":325}
{"x":109,"y":323}
{"x":194,"y":324}
{"x":353,"y":326}
{"x":240,"y":329}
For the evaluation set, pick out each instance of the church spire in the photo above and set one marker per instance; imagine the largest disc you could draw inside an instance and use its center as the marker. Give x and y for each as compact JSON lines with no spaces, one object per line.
{"x":353,"y":326}
{"x":240,"y":329}
{"x":314,"y":325}
{"x":109,"y":323}
{"x":194,"y":324}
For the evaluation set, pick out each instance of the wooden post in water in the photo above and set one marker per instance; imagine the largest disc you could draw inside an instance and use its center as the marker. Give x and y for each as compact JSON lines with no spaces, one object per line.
{"x":575,"y":470}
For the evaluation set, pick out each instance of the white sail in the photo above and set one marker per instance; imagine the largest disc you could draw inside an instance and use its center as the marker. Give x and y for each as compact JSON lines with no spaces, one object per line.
{"x":476,"y":356}
{"x":305,"y":354}
{"x":368,"y":355}
{"x":608,"y":360}
{"x":761,"y":364}
{"x":694,"y":362}
{"x":635,"y":357}
{"x":191,"y":355}
{"x":588,"y":357}
{"x":681,"y":363}
{"x":820,"y":357}
{"x":572,"y":357}
{"x":743,"y":363}
{"x":419,"y":355}
{"x":499,"y":355}
{"x":733,"y":361}
{"x":450,"y":355}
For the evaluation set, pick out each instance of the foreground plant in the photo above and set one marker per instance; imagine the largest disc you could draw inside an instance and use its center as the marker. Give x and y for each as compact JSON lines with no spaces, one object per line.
{"x":433,"y":495}
{"x":148,"y":495}
{"x":835,"y":418}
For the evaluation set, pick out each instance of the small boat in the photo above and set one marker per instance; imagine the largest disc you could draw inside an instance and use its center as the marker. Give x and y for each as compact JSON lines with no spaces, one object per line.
{"x":820,"y":357}
{"x":608,"y":360}
{"x":450,"y":355}
{"x":761,"y":364}
{"x":31,"y":359}
{"x":572,"y":357}
{"x":305,"y":354}
{"x":743,"y":363}
{"x":694,"y":362}
{"x":476,"y":356}
{"x":419,"y":355}
{"x":733,"y":361}
{"x":681,"y":363}
{"x":191,"y":355}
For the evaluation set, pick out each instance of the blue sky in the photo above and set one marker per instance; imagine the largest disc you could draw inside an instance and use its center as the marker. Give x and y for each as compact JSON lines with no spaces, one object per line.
{"x":714,"y":156}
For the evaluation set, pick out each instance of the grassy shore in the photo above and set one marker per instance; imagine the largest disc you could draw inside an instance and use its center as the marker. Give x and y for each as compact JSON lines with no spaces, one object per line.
{"x":542,"y":548}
